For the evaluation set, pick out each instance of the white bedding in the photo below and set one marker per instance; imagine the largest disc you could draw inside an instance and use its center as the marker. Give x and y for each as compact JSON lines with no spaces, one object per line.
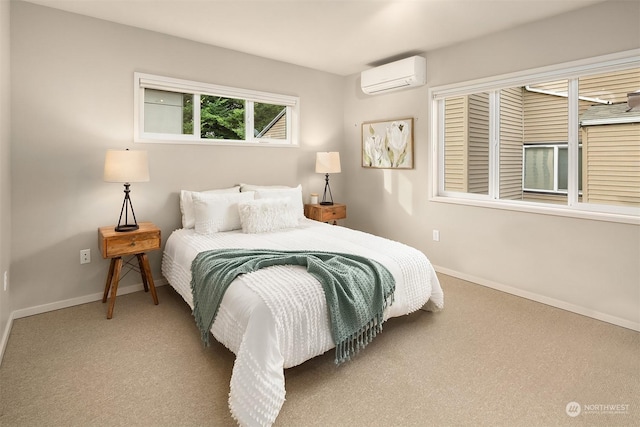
{"x":276,"y":318}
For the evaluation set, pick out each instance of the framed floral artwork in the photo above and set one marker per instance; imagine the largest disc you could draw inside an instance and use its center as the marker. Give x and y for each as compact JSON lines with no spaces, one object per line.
{"x":388,"y":144}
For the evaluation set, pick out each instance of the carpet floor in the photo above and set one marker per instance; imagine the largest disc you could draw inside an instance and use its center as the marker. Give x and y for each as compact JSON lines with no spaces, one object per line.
{"x":487,"y":359}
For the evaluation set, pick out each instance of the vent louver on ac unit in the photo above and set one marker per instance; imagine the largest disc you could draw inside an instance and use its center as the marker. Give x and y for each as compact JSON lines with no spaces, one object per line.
{"x":409,"y":72}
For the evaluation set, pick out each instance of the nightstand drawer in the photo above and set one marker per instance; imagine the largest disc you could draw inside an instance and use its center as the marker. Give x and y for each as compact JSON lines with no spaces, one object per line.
{"x":114,"y":244}
{"x":325,"y":213}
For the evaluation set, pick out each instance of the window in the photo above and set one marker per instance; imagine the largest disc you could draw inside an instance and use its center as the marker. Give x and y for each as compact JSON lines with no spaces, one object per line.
{"x":546,"y":168}
{"x":181,"y":111}
{"x":562,"y":140}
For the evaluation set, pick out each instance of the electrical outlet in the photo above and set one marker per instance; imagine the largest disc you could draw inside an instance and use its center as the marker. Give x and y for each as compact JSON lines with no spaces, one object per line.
{"x":436,"y":235}
{"x":85,"y":256}
{"x":6,"y":280}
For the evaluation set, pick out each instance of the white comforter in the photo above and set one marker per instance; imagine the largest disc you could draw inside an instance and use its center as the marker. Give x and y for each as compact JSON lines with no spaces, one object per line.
{"x":276,"y":318}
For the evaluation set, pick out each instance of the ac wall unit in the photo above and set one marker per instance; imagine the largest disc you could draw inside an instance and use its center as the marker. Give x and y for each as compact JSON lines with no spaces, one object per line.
{"x":408,"y":72}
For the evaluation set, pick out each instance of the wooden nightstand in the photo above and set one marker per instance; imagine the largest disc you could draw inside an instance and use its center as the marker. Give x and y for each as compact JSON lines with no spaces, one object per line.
{"x":115,"y":245}
{"x":326,"y":213}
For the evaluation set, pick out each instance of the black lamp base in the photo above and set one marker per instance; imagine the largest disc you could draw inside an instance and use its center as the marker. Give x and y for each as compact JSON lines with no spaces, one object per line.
{"x":126,"y":206}
{"x":327,"y":192}
{"x":127,"y":227}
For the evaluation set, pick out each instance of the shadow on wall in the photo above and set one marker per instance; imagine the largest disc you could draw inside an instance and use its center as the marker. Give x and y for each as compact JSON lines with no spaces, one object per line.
{"x":66,"y":277}
{"x":52,"y":273}
{"x":398,"y":184}
{"x":390,"y":194}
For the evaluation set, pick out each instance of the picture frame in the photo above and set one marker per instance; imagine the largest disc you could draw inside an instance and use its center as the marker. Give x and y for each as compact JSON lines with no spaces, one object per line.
{"x":387,"y":144}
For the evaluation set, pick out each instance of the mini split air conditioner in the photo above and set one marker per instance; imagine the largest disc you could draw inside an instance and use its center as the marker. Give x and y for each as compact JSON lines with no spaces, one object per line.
{"x":409,"y":72}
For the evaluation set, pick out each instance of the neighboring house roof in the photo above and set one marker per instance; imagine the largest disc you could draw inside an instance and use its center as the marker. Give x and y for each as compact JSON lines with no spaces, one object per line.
{"x":609,"y":114}
{"x":271,"y":124}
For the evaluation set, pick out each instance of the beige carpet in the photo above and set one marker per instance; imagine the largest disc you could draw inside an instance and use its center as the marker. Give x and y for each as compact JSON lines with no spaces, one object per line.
{"x":488,"y":359}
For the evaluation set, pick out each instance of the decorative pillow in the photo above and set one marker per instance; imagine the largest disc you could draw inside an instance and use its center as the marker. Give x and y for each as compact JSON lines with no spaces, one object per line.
{"x":263,"y":215}
{"x":186,"y":203}
{"x":218,"y":212}
{"x":251,"y":187}
{"x":295,"y":194}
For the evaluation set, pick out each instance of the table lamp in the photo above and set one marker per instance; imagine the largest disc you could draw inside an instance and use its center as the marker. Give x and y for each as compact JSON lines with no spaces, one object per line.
{"x":326,"y":163}
{"x":126,"y":166}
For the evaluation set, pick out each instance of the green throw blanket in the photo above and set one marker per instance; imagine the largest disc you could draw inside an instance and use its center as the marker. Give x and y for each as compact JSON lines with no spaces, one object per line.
{"x":357,"y":289}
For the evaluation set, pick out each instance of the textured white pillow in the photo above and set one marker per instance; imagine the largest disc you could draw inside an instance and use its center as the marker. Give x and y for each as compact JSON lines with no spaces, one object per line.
{"x":186,"y":203}
{"x":263,"y":215}
{"x":252,"y":187}
{"x":295,"y":194}
{"x":218,"y":212}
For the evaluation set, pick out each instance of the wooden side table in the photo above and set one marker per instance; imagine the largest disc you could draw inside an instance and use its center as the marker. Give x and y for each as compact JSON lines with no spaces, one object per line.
{"x":325,"y":213}
{"x":115,"y":245}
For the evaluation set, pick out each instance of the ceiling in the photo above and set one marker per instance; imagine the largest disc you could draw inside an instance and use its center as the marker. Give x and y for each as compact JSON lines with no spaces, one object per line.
{"x":340,"y":37}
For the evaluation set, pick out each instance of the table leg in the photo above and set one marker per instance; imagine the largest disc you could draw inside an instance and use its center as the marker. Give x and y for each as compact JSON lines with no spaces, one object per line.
{"x":114,"y":285}
{"x":143,"y":273}
{"x":146,"y":275}
{"x":109,"y":278}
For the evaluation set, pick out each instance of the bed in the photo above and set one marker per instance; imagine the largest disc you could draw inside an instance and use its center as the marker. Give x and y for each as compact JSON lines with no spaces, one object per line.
{"x":276,"y":317}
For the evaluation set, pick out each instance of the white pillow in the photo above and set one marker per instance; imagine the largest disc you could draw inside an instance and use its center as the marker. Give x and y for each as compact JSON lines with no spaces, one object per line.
{"x":263,"y":215}
{"x":186,"y":203}
{"x":251,"y":187}
{"x":218,"y":212}
{"x":295,"y":194}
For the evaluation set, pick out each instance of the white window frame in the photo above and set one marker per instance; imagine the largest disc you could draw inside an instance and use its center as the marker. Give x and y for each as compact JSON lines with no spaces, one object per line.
{"x":570,"y":71}
{"x":144,"y":81}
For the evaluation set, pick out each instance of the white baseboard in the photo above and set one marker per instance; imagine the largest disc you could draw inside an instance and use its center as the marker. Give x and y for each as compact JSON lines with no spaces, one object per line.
{"x":5,"y":336}
{"x":542,"y":299}
{"x":38,"y":309}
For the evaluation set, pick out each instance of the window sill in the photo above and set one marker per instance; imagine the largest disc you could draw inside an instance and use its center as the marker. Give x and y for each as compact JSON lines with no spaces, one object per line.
{"x":214,"y":143}
{"x":537,"y":208}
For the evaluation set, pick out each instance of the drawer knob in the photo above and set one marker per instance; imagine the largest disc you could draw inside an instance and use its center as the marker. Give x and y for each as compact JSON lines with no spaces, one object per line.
{"x":133,"y":243}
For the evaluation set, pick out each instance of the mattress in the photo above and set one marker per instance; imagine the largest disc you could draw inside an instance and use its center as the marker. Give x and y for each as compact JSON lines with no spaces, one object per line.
{"x":277,"y":317}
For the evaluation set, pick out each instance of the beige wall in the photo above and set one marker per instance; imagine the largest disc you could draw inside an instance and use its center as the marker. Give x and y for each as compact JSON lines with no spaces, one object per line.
{"x":73,"y":99}
{"x":590,"y":266}
{"x":72,"y":87}
{"x":5,"y":173}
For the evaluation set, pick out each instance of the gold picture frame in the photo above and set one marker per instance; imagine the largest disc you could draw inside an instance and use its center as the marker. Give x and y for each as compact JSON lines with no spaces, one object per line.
{"x":388,"y":144}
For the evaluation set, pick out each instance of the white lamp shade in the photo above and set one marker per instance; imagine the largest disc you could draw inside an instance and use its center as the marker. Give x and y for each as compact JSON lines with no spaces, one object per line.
{"x":126,"y":166}
{"x":328,"y":162}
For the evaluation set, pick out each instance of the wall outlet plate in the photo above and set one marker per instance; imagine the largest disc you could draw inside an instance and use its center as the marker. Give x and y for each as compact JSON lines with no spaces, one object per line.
{"x":85,"y":256}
